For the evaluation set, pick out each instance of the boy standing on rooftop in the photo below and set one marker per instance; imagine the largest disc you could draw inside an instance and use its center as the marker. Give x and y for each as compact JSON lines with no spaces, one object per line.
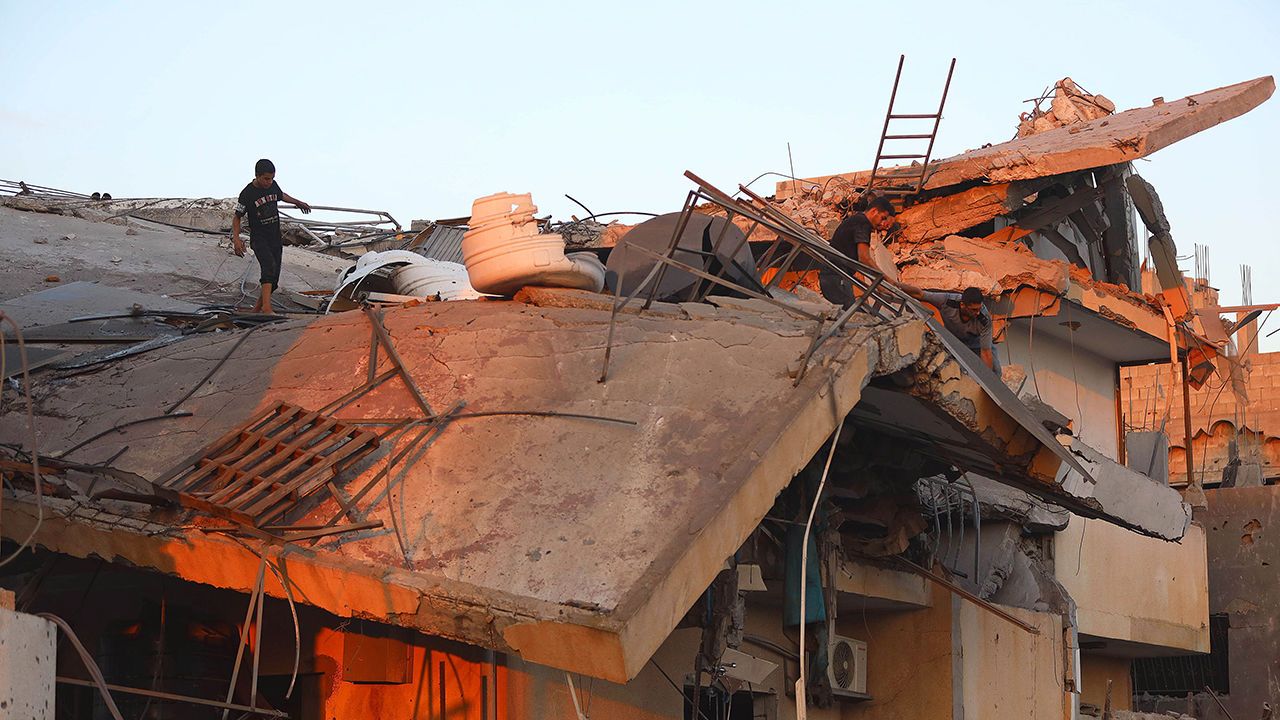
{"x":258,"y":201}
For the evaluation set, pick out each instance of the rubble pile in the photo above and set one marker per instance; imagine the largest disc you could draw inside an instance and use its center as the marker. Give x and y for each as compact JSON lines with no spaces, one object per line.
{"x":1070,"y":105}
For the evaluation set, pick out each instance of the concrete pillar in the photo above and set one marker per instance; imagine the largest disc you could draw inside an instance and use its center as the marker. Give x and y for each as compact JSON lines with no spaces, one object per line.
{"x":27,"y":666}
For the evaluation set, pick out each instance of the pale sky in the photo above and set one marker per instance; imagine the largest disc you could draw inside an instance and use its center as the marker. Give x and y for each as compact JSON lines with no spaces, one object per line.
{"x":420,"y":108}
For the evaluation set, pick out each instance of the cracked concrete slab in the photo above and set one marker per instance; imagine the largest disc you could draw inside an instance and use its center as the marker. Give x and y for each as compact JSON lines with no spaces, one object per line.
{"x":577,"y":543}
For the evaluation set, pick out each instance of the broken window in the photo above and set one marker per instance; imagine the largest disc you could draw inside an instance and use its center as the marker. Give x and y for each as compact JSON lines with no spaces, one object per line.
{"x":1184,"y":674}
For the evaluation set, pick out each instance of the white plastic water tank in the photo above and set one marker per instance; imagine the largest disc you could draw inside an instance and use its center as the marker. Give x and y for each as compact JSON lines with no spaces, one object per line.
{"x":434,"y":277}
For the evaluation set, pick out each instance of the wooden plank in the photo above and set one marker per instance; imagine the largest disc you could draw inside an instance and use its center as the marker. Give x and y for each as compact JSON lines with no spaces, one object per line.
{"x":331,"y":460}
{"x":285,"y":477}
{"x":230,"y":435}
{"x":348,"y":453}
{"x":188,"y":500}
{"x":247,"y":440}
{"x":274,"y":453}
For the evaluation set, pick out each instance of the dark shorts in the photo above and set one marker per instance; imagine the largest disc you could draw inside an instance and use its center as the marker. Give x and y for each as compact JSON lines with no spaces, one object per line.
{"x":270,"y":252}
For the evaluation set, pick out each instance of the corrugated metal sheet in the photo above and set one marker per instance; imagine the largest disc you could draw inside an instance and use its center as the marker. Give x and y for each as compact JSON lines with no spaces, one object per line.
{"x":444,"y":243}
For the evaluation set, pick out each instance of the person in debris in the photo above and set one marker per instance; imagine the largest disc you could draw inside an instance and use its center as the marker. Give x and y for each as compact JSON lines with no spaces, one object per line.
{"x":853,"y":238}
{"x":965,"y":316}
{"x":258,"y":201}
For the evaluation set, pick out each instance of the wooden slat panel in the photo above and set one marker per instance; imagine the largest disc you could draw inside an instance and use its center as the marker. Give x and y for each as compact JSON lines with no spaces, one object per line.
{"x":330,"y":460}
{"x":231,"y":434}
{"x":270,"y":450}
{"x":295,"y":449}
{"x":260,"y":469}
{"x":244,"y":440}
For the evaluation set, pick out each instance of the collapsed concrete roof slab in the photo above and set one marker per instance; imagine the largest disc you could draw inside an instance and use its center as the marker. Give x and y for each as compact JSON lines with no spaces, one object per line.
{"x":578,"y":544}
{"x":1109,"y":140}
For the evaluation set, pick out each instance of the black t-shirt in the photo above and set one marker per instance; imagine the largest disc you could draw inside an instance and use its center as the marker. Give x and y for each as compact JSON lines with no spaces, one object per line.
{"x":853,"y":231}
{"x":259,"y":204}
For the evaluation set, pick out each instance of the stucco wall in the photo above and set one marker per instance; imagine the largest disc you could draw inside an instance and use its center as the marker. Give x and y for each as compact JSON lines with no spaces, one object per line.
{"x":1007,"y":672}
{"x":910,"y":662}
{"x":1133,"y":588}
{"x":1244,"y":574}
{"x":1077,"y":383}
{"x":1095,"y":670}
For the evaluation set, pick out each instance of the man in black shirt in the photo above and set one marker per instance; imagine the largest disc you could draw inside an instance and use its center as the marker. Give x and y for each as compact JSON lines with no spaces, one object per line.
{"x":258,"y":200}
{"x":853,"y":238}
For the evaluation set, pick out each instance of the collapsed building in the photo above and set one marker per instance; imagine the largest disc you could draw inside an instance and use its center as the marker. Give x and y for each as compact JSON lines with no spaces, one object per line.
{"x":706,"y":492}
{"x":1234,"y":440}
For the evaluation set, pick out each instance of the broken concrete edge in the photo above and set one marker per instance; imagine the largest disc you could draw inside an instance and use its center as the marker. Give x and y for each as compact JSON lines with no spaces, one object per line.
{"x":1145,"y":507}
{"x":1128,"y":493}
{"x":881,"y":579}
{"x":1028,"y":285}
{"x":999,"y":500}
{"x":1036,"y":155}
{"x":614,"y":647}
{"x":660,"y":600}
{"x":939,"y":217}
{"x":320,"y":579}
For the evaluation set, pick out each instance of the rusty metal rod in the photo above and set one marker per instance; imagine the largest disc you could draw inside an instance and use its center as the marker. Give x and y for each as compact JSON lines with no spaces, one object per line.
{"x":1222,"y":707}
{"x":174,"y":697}
{"x":969,"y":596}
{"x":1186,"y":421}
{"x":375,"y":317}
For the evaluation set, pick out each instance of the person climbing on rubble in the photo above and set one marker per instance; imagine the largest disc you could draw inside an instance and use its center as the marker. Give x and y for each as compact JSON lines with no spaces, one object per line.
{"x":259,"y":201}
{"x":965,"y":316}
{"x":853,"y":238}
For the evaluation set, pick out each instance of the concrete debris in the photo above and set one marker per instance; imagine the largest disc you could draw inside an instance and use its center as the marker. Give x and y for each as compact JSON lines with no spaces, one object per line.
{"x":1119,"y":138}
{"x":1070,"y":105}
{"x":466,"y":503}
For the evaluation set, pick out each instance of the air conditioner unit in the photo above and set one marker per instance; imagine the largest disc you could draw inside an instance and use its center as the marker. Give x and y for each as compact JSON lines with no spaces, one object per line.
{"x":847,"y":667}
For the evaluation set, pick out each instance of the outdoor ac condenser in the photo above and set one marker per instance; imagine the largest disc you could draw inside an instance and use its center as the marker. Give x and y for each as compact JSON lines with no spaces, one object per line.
{"x":847,"y":666}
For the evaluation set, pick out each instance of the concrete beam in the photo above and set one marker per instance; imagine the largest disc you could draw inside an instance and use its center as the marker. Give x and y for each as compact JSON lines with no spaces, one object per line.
{"x":1109,"y":140}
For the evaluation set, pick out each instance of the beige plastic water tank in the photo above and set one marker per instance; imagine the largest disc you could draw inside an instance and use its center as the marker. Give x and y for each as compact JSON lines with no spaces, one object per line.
{"x":504,"y":251}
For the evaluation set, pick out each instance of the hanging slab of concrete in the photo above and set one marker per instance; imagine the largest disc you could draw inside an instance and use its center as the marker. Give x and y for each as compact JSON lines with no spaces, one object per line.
{"x":1110,"y":140}
{"x":943,"y":408}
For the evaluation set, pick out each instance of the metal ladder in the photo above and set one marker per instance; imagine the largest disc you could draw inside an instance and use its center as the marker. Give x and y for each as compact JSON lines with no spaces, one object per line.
{"x":909,"y":180}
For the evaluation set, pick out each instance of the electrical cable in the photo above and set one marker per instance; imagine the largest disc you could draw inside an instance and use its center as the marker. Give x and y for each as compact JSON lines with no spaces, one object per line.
{"x":121,"y":426}
{"x":802,"y":687}
{"x":92,"y":667}
{"x":213,"y":370}
{"x":277,"y":569}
